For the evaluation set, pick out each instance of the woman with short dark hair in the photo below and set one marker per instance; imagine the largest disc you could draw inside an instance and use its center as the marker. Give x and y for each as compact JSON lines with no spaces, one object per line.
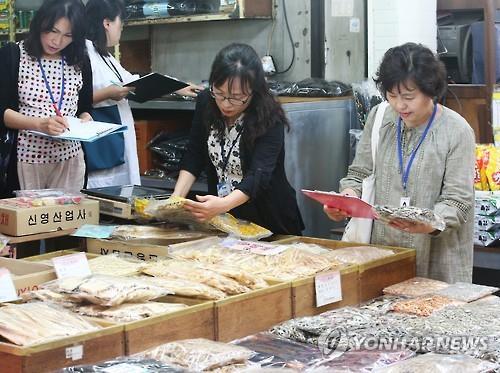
{"x":46,"y":78}
{"x":238,"y":138}
{"x":425,"y":158}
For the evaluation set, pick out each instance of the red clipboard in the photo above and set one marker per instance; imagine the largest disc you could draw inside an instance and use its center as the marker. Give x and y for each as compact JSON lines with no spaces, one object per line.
{"x":354,"y":206}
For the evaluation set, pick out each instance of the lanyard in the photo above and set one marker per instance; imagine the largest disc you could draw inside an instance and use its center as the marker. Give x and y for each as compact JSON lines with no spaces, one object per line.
{"x":112,"y":67}
{"x":57,"y":107}
{"x":225,"y":159}
{"x":406,"y":173}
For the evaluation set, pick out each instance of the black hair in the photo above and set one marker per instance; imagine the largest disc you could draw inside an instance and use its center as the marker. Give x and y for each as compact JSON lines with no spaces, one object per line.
{"x":96,"y":12}
{"x":412,"y":62}
{"x":241,"y":61}
{"x":47,"y":15}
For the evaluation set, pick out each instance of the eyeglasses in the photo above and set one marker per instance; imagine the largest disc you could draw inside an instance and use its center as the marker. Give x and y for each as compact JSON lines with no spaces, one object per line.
{"x":233,"y":101}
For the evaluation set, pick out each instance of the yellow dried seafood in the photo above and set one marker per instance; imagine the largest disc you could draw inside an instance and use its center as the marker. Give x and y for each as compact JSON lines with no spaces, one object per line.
{"x":186,"y":288}
{"x":191,"y":271}
{"x":112,"y":265}
{"x":129,"y":311}
{"x":239,"y":228}
{"x":33,"y":323}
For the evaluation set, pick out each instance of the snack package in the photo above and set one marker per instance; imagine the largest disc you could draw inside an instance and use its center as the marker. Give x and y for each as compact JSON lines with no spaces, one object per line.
{"x":239,"y":228}
{"x":493,"y":169}
{"x":411,"y":213}
{"x":482,"y":161}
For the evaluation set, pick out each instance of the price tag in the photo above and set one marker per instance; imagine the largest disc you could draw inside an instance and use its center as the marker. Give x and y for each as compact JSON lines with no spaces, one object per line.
{"x":74,"y":352}
{"x":7,"y":289}
{"x":328,"y":288}
{"x":73,"y":265}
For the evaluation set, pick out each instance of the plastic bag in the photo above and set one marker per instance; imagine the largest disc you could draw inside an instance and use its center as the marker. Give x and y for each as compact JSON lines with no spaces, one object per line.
{"x":107,"y":290}
{"x":115,"y":265}
{"x":199,"y":354}
{"x":316,"y":87}
{"x":358,"y":254}
{"x":126,"y":364}
{"x":411,"y":213}
{"x":366,"y":97}
{"x":239,"y":228}
{"x":423,"y":306}
{"x":48,"y":197}
{"x":440,"y":363}
{"x":416,"y":287}
{"x":466,"y":292}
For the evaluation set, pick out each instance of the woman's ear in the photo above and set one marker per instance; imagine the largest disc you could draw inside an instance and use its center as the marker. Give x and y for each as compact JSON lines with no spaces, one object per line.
{"x":106,"y":22}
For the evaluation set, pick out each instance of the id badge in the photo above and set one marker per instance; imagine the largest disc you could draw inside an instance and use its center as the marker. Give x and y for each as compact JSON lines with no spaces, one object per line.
{"x":404,"y":202}
{"x":223,"y":189}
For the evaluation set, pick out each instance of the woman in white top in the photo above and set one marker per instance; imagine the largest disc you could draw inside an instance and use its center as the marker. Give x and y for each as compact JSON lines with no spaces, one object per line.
{"x":104,"y":28}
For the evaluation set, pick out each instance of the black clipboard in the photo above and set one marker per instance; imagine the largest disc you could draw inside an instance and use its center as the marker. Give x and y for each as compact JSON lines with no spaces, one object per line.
{"x":152,"y":86}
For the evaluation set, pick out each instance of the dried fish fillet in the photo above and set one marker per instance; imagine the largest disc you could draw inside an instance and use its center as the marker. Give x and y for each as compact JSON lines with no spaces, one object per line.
{"x":199,"y":354}
{"x":128,"y":312}
{"x":191,"y":271}
{"x":107,"y":290}
{"x":416,"y":287}
{"x":358,"y":254}
{"x":187,"y":288}
{"x":113,"y":265}
{"x":412,"y":214}
{"x":34,"y":323}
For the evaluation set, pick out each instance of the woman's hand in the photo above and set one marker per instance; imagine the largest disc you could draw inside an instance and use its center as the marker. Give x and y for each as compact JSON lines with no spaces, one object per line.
{"x":118,"y":93}
{"x":207,"y":207}
{"x":52,"y":125}
{"x":85,"y":117}
{"x":191,"y":90}
{"x":411,"y":227}
{"x":335,"y":213}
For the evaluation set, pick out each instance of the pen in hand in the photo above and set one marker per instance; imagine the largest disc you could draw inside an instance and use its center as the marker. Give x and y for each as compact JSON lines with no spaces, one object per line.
{"x":58,"y":113}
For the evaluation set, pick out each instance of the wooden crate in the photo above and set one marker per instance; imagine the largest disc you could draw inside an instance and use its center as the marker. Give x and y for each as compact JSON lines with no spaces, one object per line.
{"x":373,"y":276}
{"x":47,"y":258}
{"x":48,"y":357}
{"x":197,"y":321}
{"x":244,"y":314}
{"x":304,"y":293}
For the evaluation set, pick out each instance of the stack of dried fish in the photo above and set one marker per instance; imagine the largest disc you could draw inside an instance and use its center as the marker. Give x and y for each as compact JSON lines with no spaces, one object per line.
{"x":128,"y":312}
{"x":424,"y":306}
{"x":114,"y":265}
{"x":33,"y":323}
{"x":154,"y":235}
{"x":107,"y":290}
{"x":199,"y":354}
{"x":358,"y":254}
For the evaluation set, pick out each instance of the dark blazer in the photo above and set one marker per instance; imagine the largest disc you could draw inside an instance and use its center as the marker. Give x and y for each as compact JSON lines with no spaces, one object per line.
{"x":272,"y":203}
{"x":9,"y":99}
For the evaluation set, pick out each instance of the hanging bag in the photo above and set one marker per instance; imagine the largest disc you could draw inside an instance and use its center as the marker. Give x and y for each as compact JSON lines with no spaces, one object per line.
{"x":359,"y":229}
{"x":108,"y":151}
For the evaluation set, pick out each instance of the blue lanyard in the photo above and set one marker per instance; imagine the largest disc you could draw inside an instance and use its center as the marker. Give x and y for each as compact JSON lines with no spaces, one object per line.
{"x":406,"y":173}
{"x":59,"y":104}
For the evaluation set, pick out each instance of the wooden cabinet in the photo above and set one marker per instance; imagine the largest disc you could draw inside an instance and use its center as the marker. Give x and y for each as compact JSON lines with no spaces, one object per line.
{"x":473,"y":102}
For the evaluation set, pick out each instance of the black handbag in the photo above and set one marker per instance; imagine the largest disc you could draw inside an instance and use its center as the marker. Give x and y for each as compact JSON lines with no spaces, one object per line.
{"x":108,"y":151}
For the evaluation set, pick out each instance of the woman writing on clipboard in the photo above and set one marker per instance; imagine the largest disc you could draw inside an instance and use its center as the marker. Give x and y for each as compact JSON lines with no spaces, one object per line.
{"x":104,"y":27}
{"x":45,"y":78}
{"x":425,"y":158}
{"x":237,"y":136}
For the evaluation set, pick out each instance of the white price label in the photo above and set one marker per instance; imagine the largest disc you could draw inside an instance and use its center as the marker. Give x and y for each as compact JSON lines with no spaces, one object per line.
{"x":73,"y":265}
{"x":74,"y":353}
{"x":7,"y":289}
{"x":328,"y":288}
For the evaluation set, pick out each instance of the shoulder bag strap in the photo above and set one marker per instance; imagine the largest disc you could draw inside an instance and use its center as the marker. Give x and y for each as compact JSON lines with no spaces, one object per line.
{"x":379,"y":116}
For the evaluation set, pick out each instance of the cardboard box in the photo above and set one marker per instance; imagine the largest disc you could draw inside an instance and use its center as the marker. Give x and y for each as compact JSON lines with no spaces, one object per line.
{"x":27,"y":275}
{"x":16,"y":219}
{"x":47,"y":258}
{"x":139,"y":251}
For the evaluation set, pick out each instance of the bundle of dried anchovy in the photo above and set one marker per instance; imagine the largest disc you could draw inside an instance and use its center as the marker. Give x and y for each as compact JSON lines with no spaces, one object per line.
{"x":411,"y":213}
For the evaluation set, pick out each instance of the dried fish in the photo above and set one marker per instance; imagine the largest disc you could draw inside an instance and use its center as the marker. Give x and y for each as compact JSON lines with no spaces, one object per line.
{"x":412,"y":214}
{"x":423,"y":306}
{"x":466,"y":292}
{"x":416,"y":287}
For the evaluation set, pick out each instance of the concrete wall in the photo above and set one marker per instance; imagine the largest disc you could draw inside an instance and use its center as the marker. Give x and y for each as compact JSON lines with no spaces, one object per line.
{"x":187,"y":50}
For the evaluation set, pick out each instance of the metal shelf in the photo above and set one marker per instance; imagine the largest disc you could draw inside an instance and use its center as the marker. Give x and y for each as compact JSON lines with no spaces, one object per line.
{"x":180,"y":19}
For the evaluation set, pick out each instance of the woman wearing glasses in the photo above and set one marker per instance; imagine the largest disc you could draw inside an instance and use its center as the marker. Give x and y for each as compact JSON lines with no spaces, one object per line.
{"x":238,"y":138}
